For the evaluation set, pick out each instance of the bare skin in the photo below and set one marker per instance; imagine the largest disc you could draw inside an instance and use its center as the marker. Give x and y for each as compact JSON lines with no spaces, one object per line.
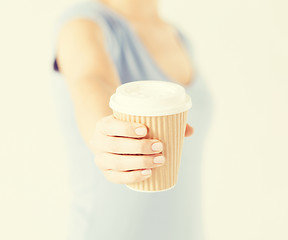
{"x":158,"y":37}
{"x":92,"y":78}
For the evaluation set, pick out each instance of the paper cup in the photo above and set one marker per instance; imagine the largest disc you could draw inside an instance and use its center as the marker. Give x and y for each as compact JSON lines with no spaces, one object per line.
{"x":170,"y":131}
{"x":162,"y":107}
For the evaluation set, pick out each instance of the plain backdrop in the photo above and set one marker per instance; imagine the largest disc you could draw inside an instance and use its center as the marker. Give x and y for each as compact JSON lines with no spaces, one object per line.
{"x":241,"y":50}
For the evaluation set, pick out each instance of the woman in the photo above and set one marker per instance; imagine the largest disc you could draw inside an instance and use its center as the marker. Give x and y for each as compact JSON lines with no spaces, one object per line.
{"x":100,"y":45}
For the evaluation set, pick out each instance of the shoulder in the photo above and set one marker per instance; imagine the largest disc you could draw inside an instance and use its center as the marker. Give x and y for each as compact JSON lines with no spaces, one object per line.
{"x":80,"y":28}
{"x":84,"y":8}
{"x":88,"y":17}
{"x":91,"y":10}
{"x":82,"y":52}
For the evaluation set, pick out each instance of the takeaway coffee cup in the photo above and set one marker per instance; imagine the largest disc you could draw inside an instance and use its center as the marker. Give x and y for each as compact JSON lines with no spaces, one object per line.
{"x":162,"y":107}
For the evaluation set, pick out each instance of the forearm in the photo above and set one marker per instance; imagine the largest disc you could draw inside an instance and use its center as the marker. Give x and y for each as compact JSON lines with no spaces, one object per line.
{"x":91,"y":102}
{"x":89,"y":72}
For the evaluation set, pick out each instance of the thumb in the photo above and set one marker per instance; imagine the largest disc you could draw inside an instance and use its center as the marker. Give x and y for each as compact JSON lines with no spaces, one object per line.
{"x":189,"y":130}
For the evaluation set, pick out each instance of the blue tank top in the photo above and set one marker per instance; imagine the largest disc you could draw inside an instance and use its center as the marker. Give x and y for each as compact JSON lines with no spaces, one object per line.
{"x":106,"y":211}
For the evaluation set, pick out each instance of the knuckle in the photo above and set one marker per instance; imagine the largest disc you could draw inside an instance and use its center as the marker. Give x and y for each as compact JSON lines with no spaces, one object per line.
{"x":116,"y":163}
{"x":102,"y":123}
{"x":94,"y":143}
{"x":127,"y":129}
{"x":147,"y":162}
{"x":133,"y":177}
{"x":95,"y":137}
{"x":112,"y":146}
{"x":142,"y":145}
{"x":116,"y":181}
{"x":112,"y":180}
{"x":109,"y":176}
{"x":108,"y":120}
{"x":98,"y":159}
{"x":138,"y":177}
{"x":107,"y":161}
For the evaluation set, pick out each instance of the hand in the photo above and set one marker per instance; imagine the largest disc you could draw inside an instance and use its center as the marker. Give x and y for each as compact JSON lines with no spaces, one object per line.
{"x":122,"y":153}
{"x":189,"y":130}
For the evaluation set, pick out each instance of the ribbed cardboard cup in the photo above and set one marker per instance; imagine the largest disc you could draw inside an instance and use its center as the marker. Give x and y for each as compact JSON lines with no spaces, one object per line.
{"x":162,"y":107}
{"x":170,"y":130}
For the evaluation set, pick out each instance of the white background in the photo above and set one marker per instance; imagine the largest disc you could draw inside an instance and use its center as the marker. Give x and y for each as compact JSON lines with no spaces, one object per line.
{"x":241,"y":49}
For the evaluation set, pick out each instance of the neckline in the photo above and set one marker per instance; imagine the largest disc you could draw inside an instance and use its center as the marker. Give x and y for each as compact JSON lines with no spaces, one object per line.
{"x":144,"y":48}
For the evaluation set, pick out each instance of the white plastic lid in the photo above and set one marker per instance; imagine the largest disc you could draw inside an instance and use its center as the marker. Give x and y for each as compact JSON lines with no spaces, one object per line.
{"x":150,"y":98}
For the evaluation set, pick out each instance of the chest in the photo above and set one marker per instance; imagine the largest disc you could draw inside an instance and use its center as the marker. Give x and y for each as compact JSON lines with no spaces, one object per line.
{"x":167,"y":52}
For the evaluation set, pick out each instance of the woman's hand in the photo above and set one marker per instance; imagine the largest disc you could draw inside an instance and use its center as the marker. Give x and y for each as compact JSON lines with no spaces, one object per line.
{"x":189,"y":130}
{"x":122,"y":153}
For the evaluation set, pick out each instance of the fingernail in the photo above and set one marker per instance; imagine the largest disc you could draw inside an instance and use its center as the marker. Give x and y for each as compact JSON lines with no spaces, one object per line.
{"x":146,"y":172}
{"x":159,"y":159}
{"x":141,"y":131}
{"x":157,"y":146}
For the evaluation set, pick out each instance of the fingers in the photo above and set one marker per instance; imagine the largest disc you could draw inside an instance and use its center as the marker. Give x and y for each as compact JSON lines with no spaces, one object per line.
{"x":108,"y":161}
{"x":121,"y":145}
{"x":111,"y":126}
{"x":189,"y":130}
{"x":127,"y":177}
{"x":123,"y":154}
